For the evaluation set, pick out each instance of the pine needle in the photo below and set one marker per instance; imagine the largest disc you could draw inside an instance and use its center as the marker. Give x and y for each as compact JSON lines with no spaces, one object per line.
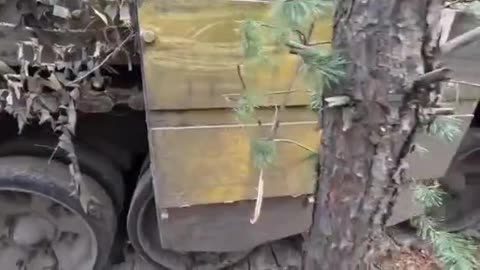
{"x":246,"y":106}
{"x":429,"y":196}
{"x":252,"y":42}
{"x":263,"y":153}
{"x":453,"y":250}
{"x":298,"y":14}
{"x":446,"y":128}
{"x":325,"y":68}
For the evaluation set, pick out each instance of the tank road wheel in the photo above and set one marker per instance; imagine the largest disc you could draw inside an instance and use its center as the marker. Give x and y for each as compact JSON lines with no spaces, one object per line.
{"x":143,"y":233}
{"x":283,"y":254}
{"x":43,"y":226}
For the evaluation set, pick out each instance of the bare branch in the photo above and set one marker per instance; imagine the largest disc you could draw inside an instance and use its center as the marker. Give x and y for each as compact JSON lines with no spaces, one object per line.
{"x":437,"y":75}
{"x":319,"y":43}
{"x":460,"y":41}
{"x":466,"y":83}
{"x":109,"y":56}
{"x":259,"y":200}
{"x":440,"y":111}
{"x":240,"y":76}
{"x":297,"y":144}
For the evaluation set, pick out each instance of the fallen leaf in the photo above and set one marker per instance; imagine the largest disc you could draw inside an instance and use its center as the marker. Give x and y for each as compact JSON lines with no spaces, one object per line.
{"x":33,"y":85}
{"x":72,"y":117}
{"x":5,"y":69}
{"x":65,"y":143}
{"x":62,"y":12}
{"x":50,"y":102}
{"x":125,"y":13}
{"x":102,"y":16}
{"x":89,"y":202}
{"x":53,"y":82}
{"x":75,"y":94}
{"x":29,"y":103}
{"x":9,"y":99}
{"x":45,"y":116}
{"x":111,"y":10}
{"x":21,"y":119}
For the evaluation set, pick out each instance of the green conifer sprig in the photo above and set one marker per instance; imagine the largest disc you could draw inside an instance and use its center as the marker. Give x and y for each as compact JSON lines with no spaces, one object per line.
{"x":264,"y":152}
{"x":446,"y":128}
{"x":292,"y":22}
{"x":295,"y":14}
{"x":430,"y":196}
{"x":298,"y":14}
{"x":453,"y":250}
{"x":322,"y":70}
{"x":246,"y":106}
{"x":251,"y":40}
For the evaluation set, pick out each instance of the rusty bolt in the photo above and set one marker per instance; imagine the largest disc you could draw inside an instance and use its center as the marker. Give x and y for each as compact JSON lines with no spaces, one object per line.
{"x":148,"y":36}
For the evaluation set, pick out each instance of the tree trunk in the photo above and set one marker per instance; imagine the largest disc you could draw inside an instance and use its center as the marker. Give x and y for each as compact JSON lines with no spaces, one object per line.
{"x":388,"y":44}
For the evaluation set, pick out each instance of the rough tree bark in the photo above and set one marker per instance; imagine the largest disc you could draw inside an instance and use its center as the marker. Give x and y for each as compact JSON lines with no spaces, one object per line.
{"x":389,"y":44}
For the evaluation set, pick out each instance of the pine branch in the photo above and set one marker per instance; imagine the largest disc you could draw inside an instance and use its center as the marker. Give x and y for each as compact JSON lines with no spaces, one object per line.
{"x":455,"y":251}
{"x":429,"y":196}
{"x":446,"y":128}
{"x":289,"y":17}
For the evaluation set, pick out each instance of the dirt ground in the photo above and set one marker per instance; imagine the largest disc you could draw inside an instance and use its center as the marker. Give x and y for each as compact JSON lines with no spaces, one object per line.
{"x":398,"y":260}
{"x":408,"y":260}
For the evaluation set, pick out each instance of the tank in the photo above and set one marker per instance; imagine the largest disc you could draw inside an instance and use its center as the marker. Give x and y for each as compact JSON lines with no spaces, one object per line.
{"x":119,"y":147}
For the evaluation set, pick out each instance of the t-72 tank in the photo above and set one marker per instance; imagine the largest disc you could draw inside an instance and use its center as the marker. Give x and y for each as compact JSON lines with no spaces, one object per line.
{"x":118,"y":131}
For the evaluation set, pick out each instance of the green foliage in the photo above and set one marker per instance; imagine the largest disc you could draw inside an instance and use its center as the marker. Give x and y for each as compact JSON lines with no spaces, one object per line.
{"x":322,"y":70}
{"x":453,"y":250}
{"x":325,"y":66}
{"x":246,"y":105}
{"x":316,"y":98}
{"x":251,"y":40}
{"x":292,"y":24}
{"x":429,"y":196}
{"x":264,"y":152}
{"x":298,"y":14}
{"x":447,"y":128}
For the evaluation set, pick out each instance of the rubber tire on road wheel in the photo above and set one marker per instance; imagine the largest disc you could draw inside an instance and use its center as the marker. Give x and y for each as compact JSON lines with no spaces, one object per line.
{"x":33,"y":174}
{"x":143,"y":234}
{"x":91,"y":163}
{"x":282,"y":254}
